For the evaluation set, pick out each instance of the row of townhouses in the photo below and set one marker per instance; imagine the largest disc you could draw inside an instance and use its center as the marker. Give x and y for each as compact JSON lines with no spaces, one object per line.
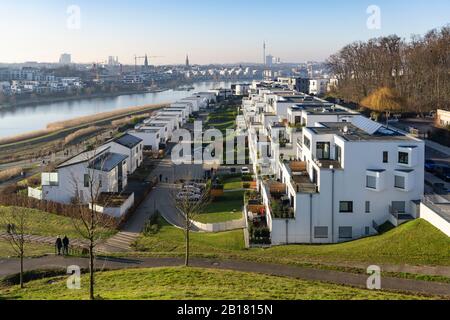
{"x":105,"y":170}
{"x":327,"y":174}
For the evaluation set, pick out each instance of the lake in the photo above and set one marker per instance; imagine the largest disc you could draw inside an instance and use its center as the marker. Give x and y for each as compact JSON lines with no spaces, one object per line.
{"x":18,"y":120}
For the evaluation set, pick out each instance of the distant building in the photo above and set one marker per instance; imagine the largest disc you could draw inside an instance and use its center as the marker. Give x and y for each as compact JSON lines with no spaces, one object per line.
{"x":269,"y":60}
{"x":443,"y":118}
{"x":187,"y":61}
{"x":65,"y":59}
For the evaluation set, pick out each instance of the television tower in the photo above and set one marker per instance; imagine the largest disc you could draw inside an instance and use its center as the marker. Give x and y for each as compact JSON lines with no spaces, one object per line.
{"x":264,"y":53}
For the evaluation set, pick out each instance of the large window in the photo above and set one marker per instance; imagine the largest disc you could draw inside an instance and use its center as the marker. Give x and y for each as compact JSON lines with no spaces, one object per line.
{"x":345,"y":232}
{"x":403,"y":158}
{"x":398,"y":206}
{"x":371,"y":182}
{"x":323,"y":150}
{"x":307,"y":142}
{"x":400,"y":182}
{"x":321,"y":232}
{"x":346,"y":206}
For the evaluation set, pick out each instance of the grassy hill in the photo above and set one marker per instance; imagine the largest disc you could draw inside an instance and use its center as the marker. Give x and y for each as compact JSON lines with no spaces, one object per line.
{"x":42,"y":224}
{"x":414,"y":243}
{"x":192,"y":283}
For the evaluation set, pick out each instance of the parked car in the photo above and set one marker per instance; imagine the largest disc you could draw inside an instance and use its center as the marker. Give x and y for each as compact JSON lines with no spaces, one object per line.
{"x":245,"y":170}
{"x":430,"y":165}
{"x":443,"y":172}
{"x":197,"y":185}
{"x":192,"y":189}
{"x":188,"y":196}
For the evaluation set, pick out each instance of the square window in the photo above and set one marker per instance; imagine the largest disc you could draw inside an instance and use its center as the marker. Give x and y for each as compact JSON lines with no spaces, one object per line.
{"x":403,"y":158}
{"x":345,"y":232}
{"x":321,"y":232}
{"x":371,"y":182}
{"x":346,"y":206}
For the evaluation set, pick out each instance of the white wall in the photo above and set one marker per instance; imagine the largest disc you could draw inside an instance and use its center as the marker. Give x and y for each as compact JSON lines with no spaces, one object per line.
{"x":435,"y":219}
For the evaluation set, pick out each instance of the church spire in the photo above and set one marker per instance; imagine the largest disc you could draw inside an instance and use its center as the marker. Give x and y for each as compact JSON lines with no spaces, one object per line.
{"x":187,"y":61}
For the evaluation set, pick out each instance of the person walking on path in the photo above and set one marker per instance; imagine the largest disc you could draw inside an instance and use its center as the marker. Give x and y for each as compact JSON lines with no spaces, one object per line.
{"x":65,"y":243}
{"x":58,"y":245}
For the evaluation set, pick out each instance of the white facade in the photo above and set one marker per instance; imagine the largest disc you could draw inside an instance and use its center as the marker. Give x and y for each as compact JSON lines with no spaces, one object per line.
{"x":75,"y":174}
{"x":341,"y":175}
{"x":132,"y":148}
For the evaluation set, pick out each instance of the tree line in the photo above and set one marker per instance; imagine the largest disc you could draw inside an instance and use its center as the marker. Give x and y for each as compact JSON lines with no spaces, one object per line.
{"x":408,"y":76}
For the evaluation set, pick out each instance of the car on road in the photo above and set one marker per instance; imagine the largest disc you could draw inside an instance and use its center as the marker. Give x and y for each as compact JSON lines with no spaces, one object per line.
{"x":443,"y":172}
{"x":188,"y":196}
{"x":245,"y":170}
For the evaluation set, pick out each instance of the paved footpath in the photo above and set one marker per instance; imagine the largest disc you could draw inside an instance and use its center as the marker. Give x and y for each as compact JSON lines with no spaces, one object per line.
{"x":10,"y":266}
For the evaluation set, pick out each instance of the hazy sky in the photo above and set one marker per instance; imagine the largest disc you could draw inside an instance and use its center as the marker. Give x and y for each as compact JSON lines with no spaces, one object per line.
{"x":210,"y":31}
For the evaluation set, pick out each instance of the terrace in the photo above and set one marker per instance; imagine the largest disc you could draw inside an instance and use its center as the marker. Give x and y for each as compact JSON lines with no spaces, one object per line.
{"x":280,"y":204}
{"x":300,"y":178}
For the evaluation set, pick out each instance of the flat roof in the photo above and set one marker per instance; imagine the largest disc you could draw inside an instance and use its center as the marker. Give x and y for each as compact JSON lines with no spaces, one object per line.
{"x":356,"y":134}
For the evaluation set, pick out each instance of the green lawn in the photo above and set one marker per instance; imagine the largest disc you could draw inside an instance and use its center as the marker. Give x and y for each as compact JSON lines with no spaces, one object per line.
{"x":192,"y":283}
{"x":225,"y":208}
{"x":169,"y":241}
{"x":31,"y":249}
{"x":414,"y":243}
{"x":233,"y":183}
{"x":46,"y":224}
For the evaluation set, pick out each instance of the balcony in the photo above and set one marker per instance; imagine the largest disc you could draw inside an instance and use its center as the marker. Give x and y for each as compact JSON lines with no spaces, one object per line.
{"x":300,"y":178}
{"x":280,"y":204}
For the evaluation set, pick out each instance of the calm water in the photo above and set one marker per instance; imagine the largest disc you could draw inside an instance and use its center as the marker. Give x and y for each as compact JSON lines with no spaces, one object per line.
{"x":22,"y":119}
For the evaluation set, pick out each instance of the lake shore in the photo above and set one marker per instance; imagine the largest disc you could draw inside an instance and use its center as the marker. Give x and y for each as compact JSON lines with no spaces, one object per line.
{"x":47,"y":100}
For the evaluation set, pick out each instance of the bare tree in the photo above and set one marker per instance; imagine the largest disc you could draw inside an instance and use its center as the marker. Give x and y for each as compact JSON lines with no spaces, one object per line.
{"x":87,"y":219}
{"x":189,"y":205}
{"x":16,"y":221}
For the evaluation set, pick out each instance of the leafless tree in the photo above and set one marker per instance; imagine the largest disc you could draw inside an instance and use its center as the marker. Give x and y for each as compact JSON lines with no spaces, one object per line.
{"x":189,"y":205}
{"x":87,"y":219}
{"x":16,"y":221}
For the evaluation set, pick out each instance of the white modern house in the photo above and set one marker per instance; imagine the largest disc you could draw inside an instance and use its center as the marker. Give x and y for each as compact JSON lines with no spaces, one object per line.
{"x":132,"y":147}
{"x":327,"y":174}
{"x":106,"y":169}
{"x":348,"y":180}
{"x":151,"y":136}
{"x":318,"y":86}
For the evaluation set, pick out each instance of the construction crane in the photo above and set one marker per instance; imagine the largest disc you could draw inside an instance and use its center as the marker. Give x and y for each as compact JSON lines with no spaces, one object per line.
{"x":146,"y":57}
{"x":95,"y":68}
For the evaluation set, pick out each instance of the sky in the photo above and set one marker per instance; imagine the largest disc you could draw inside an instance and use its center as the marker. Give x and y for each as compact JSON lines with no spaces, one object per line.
{"x":210,"y":31}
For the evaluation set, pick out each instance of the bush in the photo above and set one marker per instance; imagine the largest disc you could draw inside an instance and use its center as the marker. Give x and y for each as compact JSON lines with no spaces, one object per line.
{"x":247,"y":177}
{"x":246,"y":185}
{"x":153,"y":225}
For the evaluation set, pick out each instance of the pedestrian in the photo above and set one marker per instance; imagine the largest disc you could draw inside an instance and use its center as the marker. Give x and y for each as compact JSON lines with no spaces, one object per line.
{"x":65,"y":242}
{"x":160,"y":177}
{"x":167,"y":180}
{"x":58,"y":245}
{"x":8,"y":228}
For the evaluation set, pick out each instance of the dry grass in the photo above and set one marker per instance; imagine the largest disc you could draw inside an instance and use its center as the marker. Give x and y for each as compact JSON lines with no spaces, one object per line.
{"x":56,"y":126}
{"x":80,"y":133}
{"x":10,"y":173}
{"x":24,"y":136}
{"x":121,"y":122}
{"x":99,"y":116}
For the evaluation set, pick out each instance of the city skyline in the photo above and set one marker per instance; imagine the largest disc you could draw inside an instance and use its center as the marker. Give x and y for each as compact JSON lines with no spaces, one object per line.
{"x":208,"y":34}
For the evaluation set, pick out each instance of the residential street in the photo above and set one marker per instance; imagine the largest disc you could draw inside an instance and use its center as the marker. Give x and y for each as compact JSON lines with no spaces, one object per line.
{"x":10,"y":266}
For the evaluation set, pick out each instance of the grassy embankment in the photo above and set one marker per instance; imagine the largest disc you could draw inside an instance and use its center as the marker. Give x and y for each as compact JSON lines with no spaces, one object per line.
{"x":69,"y":126}
{"x":414,"y":243}
{"x":192,"y":283}
{"x":225,"y":208}
{"x":42,"y":224}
